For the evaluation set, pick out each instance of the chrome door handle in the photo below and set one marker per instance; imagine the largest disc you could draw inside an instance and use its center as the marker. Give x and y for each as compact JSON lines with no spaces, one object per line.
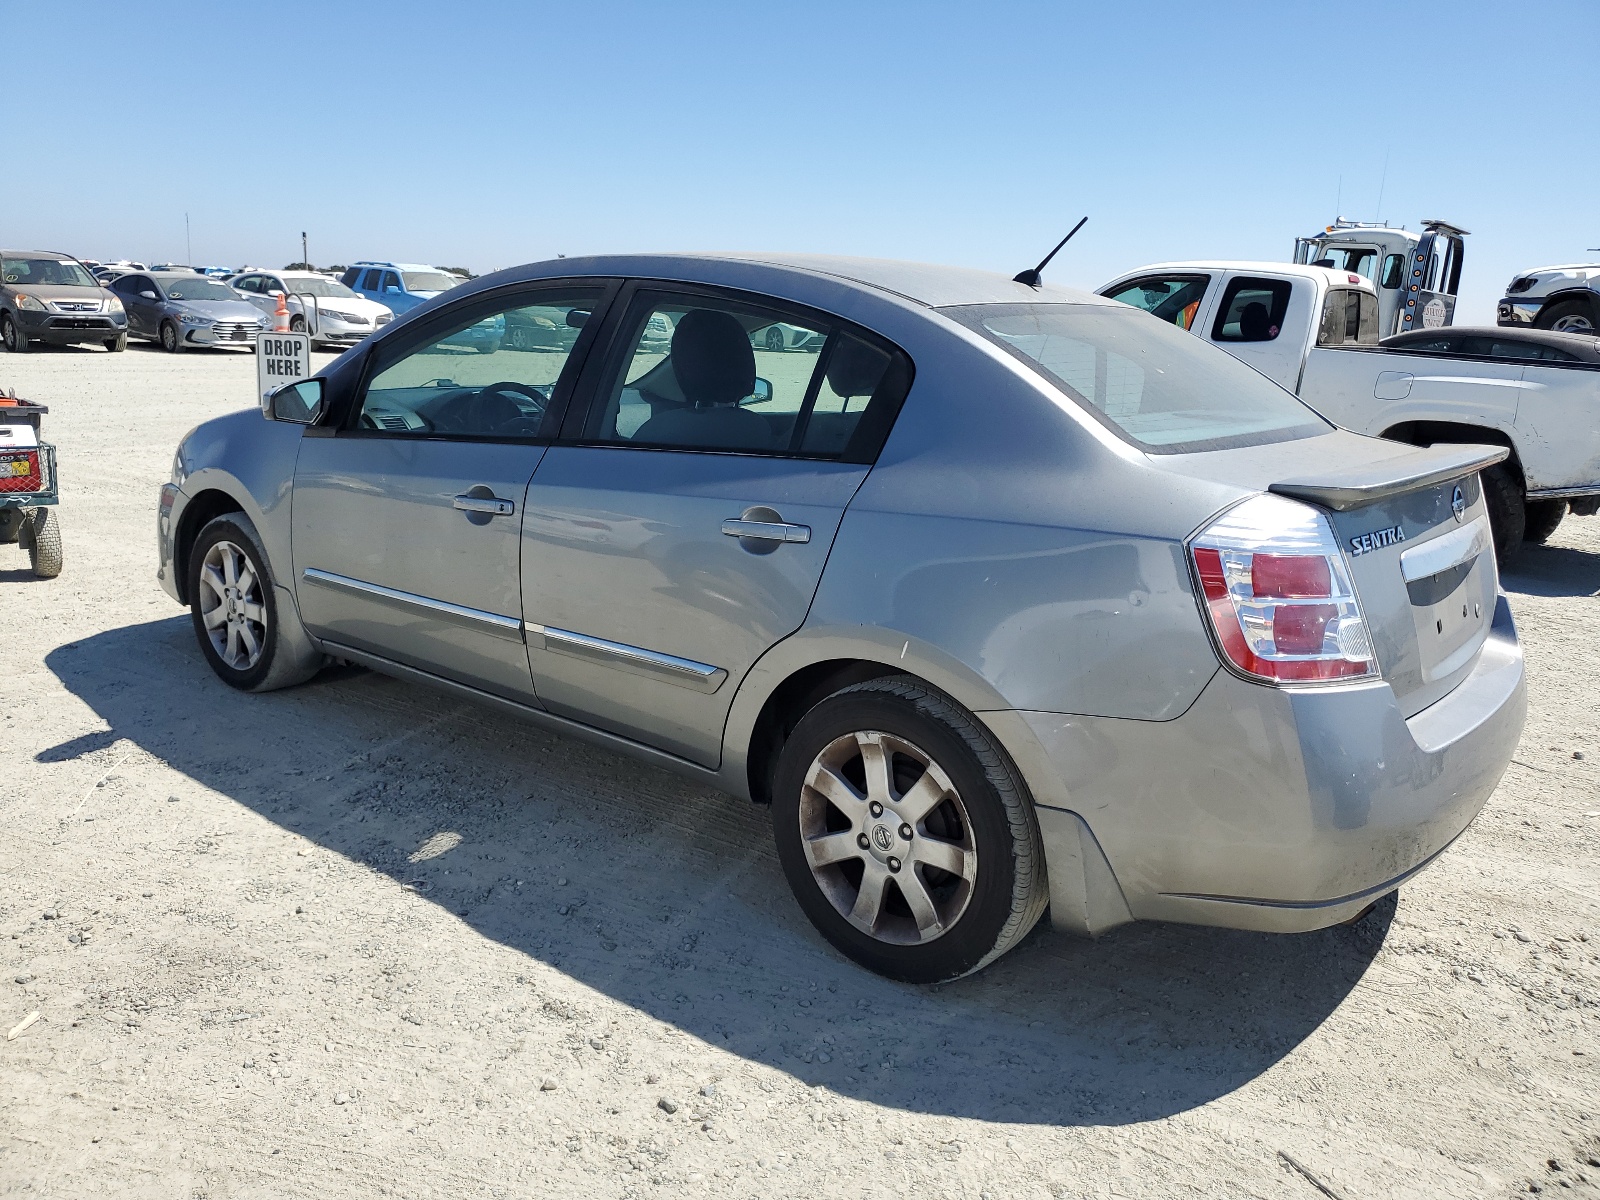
{"x":491,"y":505}
{"x":770,"y":531}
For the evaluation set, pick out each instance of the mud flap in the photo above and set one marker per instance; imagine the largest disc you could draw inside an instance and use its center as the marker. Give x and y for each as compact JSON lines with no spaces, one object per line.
{"x":1085,"y":898}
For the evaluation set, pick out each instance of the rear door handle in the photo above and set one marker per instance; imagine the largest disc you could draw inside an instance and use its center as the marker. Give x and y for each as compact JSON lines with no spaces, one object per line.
{"x":770,"y":531}
{"x":492,"y":505}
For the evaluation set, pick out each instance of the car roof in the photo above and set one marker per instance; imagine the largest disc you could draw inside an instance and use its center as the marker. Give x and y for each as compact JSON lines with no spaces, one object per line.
{"x":55,"y":254}
{"x":927,"y":284}
{"x":1584,"y":344}
{"x":398,"y":266}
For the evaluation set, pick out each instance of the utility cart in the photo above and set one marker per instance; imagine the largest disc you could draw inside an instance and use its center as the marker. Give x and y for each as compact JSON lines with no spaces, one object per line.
{"x":28,"y":486}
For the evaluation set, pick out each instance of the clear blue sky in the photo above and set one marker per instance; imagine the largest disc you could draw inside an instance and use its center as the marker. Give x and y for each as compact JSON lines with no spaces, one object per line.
{"x":490,"y":133}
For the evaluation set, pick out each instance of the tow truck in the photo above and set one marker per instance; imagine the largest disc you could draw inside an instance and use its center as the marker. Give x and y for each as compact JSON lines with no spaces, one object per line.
{"x":1416,"y":274}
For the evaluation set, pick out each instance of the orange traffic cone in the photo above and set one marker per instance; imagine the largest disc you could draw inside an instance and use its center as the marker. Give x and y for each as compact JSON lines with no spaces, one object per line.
{"x":280,"y":319}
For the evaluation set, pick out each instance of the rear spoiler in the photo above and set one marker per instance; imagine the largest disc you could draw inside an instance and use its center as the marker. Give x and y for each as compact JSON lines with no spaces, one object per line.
{"x":1357,"y":486}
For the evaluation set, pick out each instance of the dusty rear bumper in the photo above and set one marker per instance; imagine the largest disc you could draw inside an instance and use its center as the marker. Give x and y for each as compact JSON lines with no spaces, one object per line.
{"x":1271,"y":809}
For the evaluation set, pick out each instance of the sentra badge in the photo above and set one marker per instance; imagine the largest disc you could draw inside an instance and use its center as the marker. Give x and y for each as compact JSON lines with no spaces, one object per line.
{"x":1376,"y":540}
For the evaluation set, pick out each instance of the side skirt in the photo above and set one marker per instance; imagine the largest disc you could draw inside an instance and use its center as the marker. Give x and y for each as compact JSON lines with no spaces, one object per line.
{"x":534,"y":716}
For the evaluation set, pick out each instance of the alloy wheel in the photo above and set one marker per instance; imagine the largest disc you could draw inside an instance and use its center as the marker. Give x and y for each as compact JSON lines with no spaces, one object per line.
{"x":887,"y":838}
{"x":169,"y":337}
{"x":232,"y":606}
{"x":1573,"y":323}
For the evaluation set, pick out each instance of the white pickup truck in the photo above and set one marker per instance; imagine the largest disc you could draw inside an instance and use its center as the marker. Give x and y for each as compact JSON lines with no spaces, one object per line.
{"x":1315,"y":331}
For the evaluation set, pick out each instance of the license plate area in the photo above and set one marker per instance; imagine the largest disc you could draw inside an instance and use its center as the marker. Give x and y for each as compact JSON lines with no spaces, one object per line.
{"x":1452,"y":611}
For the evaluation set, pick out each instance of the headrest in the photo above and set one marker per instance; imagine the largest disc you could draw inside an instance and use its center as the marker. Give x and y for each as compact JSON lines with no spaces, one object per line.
{"x":712,"y":358}
{"x":1254,"y":321}
{"x":855,"y":368}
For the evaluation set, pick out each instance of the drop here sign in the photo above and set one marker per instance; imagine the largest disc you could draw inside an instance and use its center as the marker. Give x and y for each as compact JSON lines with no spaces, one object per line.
{"x":281,"y":358}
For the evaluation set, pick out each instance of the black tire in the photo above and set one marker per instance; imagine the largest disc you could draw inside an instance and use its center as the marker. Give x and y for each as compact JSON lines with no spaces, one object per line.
{"x":1508,"y":512}
{"x":117,"y":344}
{"x":12,"y":336}
{"x":277,"y":666}
{"x":44,"y":543}
{"x":1007,"y":893}
{"x":171,"y":339}
{"x":297,"y":324}
{"x":774,"y":338}
{"x":1543,"y":516}
{"x":1570,"y":316}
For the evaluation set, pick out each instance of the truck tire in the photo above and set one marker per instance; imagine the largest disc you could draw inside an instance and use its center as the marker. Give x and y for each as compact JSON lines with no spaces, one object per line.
{"x":44,"y":543}
{"x":1542,"y":519}
{"x":1569,"y":316}
{"x":1508,"y":511}
{"x":863,"y":867}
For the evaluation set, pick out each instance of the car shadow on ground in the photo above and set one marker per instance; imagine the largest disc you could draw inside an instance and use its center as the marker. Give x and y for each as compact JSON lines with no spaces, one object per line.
{"x":669,"y":898}
{"x":1553,"y":571}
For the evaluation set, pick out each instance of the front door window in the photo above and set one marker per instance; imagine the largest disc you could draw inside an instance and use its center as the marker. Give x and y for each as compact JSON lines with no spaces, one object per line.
{"x":1172,"y":298}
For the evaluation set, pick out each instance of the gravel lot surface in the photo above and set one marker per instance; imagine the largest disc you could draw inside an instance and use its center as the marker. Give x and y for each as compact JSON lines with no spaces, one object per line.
{"x":355,"y":939}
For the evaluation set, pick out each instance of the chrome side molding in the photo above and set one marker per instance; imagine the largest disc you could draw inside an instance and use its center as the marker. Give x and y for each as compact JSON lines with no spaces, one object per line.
{"x":685,"y":672}
{"x":1445,"y":551}
{"x":509,"y":628}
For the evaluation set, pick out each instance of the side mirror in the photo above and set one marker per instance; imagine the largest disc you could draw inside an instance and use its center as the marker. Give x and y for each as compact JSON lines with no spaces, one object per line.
{"x":577,"y":318}
{"x":761,"y":392}
{"x":297,"y":403}
{"x":148,"y":295}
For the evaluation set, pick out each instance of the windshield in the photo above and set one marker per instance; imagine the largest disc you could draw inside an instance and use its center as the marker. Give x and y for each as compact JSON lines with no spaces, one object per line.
{"x":1363,"y":260}
{"x":1161,"y":388}
{"x":303,"y":285}
{"x":428,"y":281}
{"x":198,"y":288}
{"x":38,"y":272}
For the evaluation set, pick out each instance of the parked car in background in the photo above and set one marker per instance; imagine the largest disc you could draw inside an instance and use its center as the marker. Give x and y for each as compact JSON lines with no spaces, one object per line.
{"x":332,"y":313}
{"x":50,"y":298}
{"x":404,"y":286}
{"x":1001,"y":597}
{"x":1564,"y":299}
{"x":181,"y":310}
{"x":1315,"y":330}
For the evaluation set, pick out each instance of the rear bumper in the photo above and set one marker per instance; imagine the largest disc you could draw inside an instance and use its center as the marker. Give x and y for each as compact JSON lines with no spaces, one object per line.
{"x":1286,"y":810}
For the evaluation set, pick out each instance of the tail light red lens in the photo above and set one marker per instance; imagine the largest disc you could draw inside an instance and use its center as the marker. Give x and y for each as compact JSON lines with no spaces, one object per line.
{"x":1279,"y":595}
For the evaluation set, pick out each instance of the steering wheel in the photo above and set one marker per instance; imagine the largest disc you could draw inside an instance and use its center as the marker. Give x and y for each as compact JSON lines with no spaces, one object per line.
{"x":526,"y":423}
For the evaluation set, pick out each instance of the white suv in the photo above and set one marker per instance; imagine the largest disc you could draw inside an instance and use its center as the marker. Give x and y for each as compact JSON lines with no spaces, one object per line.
{"x":1565,"y":299}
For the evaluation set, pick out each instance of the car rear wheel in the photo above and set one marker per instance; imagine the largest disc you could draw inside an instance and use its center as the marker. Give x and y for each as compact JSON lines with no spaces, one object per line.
{"x":906,"y":834}
{"x":170,"y":341}
{"x":234,"y":607}
{"x":117,"y":344}
{"x":774,"y":338}
{"x":1508,"y":511}
{"x":1569,"y":316}
{"x":16,"y":342}
{"x":1543,"y":516}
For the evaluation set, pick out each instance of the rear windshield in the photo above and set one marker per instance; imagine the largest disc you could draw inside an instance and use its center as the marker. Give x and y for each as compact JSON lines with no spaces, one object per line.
{"x":1160,"y":388}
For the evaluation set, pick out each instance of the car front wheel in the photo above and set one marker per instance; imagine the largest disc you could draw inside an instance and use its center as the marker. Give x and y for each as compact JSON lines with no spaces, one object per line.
{"x":905,"y":832}
{"x":170,"y":341}
{"x":235,"y":610}
{"x":1569,"y":316}
{"x":16,"y":342}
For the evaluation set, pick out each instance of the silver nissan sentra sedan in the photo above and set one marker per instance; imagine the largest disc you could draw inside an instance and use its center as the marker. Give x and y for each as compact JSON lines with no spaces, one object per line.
{"x":1003,"y":598}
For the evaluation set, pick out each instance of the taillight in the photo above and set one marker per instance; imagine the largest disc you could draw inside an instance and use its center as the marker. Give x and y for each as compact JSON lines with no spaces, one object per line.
{"x":1279,"y":594}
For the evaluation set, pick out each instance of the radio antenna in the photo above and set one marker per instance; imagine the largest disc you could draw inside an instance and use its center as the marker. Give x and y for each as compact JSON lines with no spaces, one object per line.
{"x":1034,"y":276}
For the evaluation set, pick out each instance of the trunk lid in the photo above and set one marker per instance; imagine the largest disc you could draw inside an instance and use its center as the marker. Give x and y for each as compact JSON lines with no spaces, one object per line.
{"x":1414,"y":529}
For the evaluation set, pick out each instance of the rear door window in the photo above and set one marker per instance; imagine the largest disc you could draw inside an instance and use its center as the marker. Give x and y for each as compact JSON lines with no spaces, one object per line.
{"x":1251,"y":310}
{"x":700,"y":372}
{"x":370,"y":283}
{"x":1171,"y":298}
{"x":1349,"y":318}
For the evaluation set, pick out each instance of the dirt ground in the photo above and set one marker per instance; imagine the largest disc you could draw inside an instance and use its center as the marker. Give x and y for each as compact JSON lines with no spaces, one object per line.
{"x":355,"y":939}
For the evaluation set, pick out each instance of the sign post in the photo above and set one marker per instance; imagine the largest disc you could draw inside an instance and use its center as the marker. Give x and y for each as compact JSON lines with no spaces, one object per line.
{"x":281,"y":358}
